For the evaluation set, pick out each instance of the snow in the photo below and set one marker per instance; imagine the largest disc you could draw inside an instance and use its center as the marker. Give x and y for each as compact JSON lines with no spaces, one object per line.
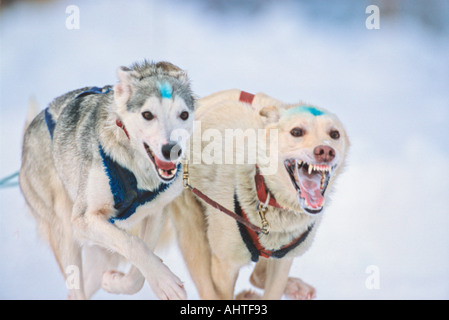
{"x":388,"y":86}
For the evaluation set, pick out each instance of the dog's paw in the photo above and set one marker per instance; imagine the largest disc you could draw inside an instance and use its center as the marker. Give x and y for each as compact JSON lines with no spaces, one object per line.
{"x":112,"y":280}
{"x":248,"y":295}
{"x":120,"y":283}
{"x":166,"y":285}
{"x":297,"y":289}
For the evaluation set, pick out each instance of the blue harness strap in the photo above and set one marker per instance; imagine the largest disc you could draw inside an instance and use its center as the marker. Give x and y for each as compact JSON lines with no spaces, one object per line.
{"x":51,"y":124}
{"x":123,"y":184}
{"x":95,"y":90}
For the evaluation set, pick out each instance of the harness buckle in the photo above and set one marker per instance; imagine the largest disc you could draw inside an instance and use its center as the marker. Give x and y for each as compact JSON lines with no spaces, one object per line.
{"x":185,"y":174}
{"x":262,"y":208}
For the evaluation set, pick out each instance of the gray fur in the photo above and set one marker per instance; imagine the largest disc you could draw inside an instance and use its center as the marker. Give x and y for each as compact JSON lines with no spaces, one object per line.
{"x":67,"y":189}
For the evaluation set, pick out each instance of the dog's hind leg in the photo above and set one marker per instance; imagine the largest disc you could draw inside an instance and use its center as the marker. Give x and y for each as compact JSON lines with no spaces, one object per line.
{"x":51,"y":208}
{"x":66,"y":248}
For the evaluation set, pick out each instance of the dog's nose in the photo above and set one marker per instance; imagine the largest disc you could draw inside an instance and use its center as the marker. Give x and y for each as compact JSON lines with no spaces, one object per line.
{"x":171,"y":151}
{"x":324,"y":154}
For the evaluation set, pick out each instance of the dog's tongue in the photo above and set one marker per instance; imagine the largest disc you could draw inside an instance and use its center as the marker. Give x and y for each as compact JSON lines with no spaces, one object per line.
{"x":163,"y":164}
{"x":310,"y":187}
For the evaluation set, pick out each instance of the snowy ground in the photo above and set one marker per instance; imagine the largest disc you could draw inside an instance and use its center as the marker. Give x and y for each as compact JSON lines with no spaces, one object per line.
{"x":389,"y":86}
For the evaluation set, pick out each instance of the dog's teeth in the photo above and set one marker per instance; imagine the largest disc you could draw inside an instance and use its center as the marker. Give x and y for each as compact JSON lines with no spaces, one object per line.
{"x":310,"y":169}
{"x":297,"y":175}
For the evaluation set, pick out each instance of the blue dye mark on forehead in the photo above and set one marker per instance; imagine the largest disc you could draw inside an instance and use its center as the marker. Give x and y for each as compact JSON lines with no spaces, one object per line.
{"x":165,"y":89}
{"x":304,"y":109}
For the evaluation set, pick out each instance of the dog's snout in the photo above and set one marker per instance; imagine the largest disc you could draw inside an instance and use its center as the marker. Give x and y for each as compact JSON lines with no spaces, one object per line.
{"x":171,"y":151}
{"x":324,"y":153}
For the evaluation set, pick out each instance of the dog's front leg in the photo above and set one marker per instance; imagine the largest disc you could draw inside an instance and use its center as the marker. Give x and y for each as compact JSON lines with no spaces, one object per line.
{"x":224,"y":274}
{"x":276,"y":278}
{"x":272,"y":275}
{"x":93,"y":225}
{"x":131,"y":282}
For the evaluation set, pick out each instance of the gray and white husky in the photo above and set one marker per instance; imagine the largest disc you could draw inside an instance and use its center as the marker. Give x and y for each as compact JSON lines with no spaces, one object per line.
{"x":98,"y":167}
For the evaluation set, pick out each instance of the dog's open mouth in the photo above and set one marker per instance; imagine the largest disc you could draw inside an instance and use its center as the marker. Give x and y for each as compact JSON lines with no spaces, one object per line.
{"x":310,"y":181}
{"x":165,"y":169}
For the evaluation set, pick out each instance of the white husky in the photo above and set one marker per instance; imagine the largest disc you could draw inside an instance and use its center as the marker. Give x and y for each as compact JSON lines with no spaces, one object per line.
{"x":310,"y":153}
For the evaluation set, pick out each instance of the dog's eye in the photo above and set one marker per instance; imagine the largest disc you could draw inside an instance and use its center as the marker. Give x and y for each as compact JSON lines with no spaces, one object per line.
{"x":297,"y":132}
{"x":334,"y":134}
{"x":184,"y":115}
{"x":147,"y":115}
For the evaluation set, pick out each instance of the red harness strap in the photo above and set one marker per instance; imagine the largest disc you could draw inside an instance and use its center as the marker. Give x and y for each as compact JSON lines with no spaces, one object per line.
{"x":246,"y":97}
{"x":261,"y":249}
{"x":251,"y":238}
{"x":262,"y":192}
{"x":121,"y":125}
{"x":218,"y":206}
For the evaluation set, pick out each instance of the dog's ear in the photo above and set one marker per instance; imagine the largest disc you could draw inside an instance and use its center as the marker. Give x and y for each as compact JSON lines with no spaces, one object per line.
{"x":123,"y":89}
{"x":270,"y":114}
{"x":172,"y":70}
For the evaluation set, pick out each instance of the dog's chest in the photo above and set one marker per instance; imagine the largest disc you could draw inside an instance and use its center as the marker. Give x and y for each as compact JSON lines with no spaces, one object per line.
{"x":132,"y":202}
{"x":153,"y":207}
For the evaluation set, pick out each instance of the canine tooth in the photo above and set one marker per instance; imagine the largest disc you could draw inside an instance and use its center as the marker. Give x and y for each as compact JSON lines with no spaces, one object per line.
{"x":310,"y":169}
{"x":297,"y":174}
